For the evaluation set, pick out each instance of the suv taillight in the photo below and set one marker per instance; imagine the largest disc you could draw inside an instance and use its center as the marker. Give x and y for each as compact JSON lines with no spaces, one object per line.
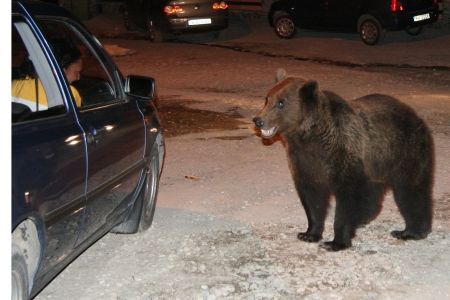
{"x":220,"y":5}
{"x":396,"y":5}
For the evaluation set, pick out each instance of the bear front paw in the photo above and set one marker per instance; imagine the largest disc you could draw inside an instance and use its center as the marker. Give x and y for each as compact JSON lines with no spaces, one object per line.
{"x":310,"y":238}
{"x":333,"y":246}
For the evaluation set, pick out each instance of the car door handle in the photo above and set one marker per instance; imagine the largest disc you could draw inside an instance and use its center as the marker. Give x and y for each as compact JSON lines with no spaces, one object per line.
{"x":93,"y":135}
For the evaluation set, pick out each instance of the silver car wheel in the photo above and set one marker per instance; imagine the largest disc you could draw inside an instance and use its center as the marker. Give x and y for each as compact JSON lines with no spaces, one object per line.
{"x":285,"y":27}
{"x":370,"y":32}
{"x":19,"y":278}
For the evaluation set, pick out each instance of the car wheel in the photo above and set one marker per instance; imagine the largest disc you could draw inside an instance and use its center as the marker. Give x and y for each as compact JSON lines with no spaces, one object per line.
{"x":141,"y":215}
{"x":215,"y":34}
{"x":149,"y":193}
{"x":414,"y":30}
{"x":370,"y":30}
{"x":19,"y":277}
{"x":155,"y":35}
{"x":284,"y":25}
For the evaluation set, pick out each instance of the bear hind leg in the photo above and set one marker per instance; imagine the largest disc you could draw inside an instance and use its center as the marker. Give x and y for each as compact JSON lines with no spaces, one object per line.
{"x":356,"y":205}
{"x":415,"y":205}
{"x":370,"y":206}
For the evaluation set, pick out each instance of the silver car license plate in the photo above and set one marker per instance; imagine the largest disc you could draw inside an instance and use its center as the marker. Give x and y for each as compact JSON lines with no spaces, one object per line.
{"x":421,"y":17}
{"x":199,"y":22}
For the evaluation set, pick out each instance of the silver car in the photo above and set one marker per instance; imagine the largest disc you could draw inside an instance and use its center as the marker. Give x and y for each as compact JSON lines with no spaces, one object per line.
{"x":162,"y":18}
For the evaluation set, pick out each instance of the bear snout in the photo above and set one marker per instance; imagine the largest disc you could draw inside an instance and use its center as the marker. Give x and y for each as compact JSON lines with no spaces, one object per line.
{"x":259,"y":123}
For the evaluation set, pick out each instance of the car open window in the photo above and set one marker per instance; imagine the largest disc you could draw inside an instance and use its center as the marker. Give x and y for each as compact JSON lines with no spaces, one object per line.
{"x":34,"y":91}
{"x":95,"y":84}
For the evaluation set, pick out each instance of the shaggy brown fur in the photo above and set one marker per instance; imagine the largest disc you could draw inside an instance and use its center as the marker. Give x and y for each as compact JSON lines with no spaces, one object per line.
{"x":353,"y":150}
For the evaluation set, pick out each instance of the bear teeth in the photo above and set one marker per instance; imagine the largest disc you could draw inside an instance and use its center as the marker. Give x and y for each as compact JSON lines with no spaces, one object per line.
{"x":268,"y":132}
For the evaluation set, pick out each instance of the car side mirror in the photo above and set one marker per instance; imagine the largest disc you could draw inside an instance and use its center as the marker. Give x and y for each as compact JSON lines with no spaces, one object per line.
{"x":140,"y":86}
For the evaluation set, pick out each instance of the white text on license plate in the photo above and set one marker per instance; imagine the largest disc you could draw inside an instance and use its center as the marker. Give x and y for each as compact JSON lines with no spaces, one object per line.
{"x":199,"y":22}
{"x":421,"y":17}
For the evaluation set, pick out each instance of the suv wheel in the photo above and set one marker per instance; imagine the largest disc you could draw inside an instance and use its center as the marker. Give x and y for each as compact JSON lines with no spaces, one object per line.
{"x":414,"y":30}
{"x":370,"y":30}
{"x":284,"y":25}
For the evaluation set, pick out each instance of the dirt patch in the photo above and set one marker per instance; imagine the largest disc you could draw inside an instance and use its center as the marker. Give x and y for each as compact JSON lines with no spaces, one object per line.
{"x":178,"y":119}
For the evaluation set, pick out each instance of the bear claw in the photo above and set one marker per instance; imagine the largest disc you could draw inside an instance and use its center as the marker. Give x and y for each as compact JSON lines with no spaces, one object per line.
{"x":310,"y":238}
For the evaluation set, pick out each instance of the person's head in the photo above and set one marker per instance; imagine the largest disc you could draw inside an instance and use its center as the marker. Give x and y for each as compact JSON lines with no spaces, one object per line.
{"x":73,"y":70}
{"x":69,"y":58}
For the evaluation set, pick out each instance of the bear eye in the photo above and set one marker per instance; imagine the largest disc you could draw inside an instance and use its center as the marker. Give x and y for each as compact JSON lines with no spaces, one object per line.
{"x":280,"y":104}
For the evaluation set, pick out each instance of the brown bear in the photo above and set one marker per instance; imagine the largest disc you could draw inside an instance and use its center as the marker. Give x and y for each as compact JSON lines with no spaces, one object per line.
{"x":354,"y":150}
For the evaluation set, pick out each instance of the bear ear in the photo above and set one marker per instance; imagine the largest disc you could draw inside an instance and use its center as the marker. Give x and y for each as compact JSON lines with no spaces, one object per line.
{"x":281,"y":75}
{"x":310,"y":90}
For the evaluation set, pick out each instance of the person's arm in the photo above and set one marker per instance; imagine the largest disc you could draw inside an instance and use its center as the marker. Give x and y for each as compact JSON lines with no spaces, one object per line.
{"x":76,"y":96}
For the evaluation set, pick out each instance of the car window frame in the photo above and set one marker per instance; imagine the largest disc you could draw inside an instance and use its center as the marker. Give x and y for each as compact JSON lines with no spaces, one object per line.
{"x":96,"y":49}
{"x":43,"y":65}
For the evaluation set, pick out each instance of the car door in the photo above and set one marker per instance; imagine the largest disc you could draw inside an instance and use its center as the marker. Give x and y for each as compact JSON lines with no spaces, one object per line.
{"x":341,"y":14}
{"x":48,"y":148}
{"x":310,"y":13}
{"x":114,"y":129}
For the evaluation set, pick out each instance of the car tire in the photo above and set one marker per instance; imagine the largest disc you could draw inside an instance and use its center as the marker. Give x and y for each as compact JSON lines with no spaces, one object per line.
{"x":149,"y":193}
{"x":19,"y":277}
{"x":141,"y":215}
{"x":155,"y":35}
{"x":284,"y":25}
{"x":414,"y":30}
{"x":216,"y":34}
{"x":370,"y":30}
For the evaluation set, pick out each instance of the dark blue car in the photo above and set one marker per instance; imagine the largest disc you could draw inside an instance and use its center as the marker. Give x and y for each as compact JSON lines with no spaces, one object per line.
{"x":87,"y":147}
{"x":370,"y":18}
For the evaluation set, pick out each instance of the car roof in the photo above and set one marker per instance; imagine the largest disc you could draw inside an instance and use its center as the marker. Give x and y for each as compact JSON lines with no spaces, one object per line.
{"x":40,"y":8}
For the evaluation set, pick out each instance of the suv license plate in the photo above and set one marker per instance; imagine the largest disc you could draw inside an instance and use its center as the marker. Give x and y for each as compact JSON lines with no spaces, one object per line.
{"x":421,"y":17}
{"x":199,"y":22}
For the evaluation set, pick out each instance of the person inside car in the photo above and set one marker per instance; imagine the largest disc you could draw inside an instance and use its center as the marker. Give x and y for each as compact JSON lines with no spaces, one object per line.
{"x":29,"y":90}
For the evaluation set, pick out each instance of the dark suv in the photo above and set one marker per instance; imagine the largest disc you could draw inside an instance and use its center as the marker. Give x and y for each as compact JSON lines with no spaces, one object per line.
{"x":371,"y":18}
{"x":87,"y":146}
{"x":162,"y":18}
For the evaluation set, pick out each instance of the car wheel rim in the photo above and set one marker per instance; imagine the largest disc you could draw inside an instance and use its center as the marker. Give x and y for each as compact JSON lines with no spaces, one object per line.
{"x":285,"y":27}
{"x":369,"y":32}
{"x":16,"y":290}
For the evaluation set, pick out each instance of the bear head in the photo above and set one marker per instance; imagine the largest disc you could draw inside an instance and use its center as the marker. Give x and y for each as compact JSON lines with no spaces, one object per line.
{"x":291,"y":106}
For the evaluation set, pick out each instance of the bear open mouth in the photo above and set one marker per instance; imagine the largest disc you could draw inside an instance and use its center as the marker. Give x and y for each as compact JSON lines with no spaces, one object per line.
{"x":268,"y":133}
